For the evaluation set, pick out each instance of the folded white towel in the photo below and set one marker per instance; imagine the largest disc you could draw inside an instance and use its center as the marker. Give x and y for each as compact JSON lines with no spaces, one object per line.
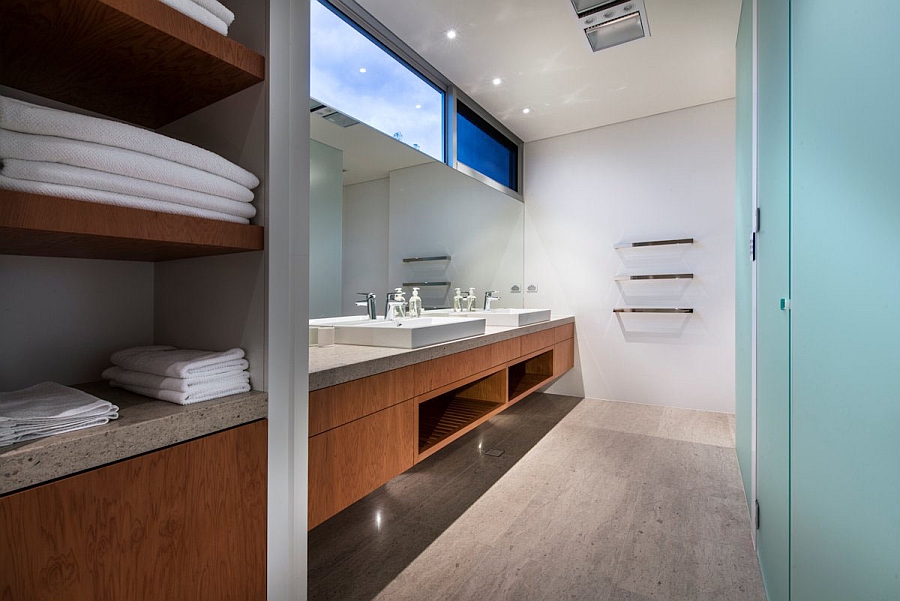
{"x":47,"y":409}
{"x":186,"y":398}
{"x":48,"y":401}
{"x":27,"y":118}
{"x":218,"y":10}
{"x":91,"y":179}
{"x":145,"y":380}
{"x":31,"y":147}
{"x":110,"y":198}
{"x":179,"y":363}
{"x":198,"y":13}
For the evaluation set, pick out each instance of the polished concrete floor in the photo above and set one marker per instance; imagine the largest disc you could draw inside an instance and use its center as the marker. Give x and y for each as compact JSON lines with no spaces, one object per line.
{"x":590,"y":500}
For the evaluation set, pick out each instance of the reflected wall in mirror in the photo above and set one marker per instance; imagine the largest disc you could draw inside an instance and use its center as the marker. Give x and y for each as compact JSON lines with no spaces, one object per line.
{"x":376,"y":204}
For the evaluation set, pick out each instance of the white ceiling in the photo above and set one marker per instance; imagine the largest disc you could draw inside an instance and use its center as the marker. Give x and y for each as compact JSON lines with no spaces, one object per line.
{"x":540,"y":52}
{"x":368,"y":153}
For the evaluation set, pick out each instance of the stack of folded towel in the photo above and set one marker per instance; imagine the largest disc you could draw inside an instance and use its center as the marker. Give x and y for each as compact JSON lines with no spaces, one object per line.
{"x":49,"y":408}
{"x":57,"y":153}
{"x":209,"y":12}
{"x":179,"y":376}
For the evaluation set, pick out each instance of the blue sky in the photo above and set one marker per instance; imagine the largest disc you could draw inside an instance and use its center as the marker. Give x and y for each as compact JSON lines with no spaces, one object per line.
{"x":385,"y":96}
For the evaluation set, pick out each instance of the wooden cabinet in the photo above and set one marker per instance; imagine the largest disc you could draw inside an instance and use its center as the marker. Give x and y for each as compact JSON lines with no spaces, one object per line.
{"x":366,"y":431}
{"x":349,"y":462}
{"x":186,"y":522}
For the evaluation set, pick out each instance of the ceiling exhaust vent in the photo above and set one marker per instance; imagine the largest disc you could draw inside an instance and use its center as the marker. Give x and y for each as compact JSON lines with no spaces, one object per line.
{"x":330,"y":114}
{"x":608,"y":23}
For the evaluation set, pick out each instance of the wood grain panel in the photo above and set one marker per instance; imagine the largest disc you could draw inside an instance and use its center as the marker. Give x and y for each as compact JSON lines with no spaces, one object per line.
{"x":563,"y":357}
{"x":349,"y":462}
{"x":47,"y":226}
{"x":538,"y":340}
{"x":565,"y":332}
{"x":330,"y":407}
{"x":492,"y":388}
{"x":187,"y":522}
{"x":439,"y":372}
{"x":507,"y":350}
{"x":136,"y":60}
{"x":527,"y":376}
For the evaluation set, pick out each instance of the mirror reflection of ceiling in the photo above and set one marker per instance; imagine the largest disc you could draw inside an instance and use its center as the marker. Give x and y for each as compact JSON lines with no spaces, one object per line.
{"x":368,"y":153}
{"x":545,"y":63}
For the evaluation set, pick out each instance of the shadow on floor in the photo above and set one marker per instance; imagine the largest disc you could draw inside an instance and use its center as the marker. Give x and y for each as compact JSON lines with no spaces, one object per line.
{"x":358,"y":552}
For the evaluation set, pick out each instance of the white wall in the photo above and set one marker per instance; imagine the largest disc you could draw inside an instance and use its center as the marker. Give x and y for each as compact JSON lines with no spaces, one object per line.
{"x":661,"y":177}
{"x":365,"y":252}
{"x":325,"y":229}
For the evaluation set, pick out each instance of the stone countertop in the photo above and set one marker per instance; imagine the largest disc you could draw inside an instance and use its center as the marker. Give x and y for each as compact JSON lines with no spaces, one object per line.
{"x":144,"y":425}
{"x":341,"y":363}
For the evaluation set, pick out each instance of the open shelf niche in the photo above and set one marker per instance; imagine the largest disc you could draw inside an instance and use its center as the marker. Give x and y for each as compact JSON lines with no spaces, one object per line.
{"x":462,"y":408}
{"x":530,"y":374}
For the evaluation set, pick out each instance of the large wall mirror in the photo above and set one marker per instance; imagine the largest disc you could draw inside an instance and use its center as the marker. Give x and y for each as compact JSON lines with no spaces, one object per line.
{"x":385,"y":215}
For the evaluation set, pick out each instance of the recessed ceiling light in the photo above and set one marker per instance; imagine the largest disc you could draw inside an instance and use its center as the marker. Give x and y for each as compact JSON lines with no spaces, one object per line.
{"x":451,"y":34}
{"x":418,"y":106}
{"x":526,"y":111}
{"x":497,"y":81}
{"x":362,"y":70}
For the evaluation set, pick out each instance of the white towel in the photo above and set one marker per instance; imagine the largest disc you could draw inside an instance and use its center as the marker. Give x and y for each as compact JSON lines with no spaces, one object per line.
{"x":145,"y":380}
{"x":91,"y":179}
{"x":179,"y":363}
{"x":186,"y":398}
{"x":218,"y":10}
{"x":49,"y":401}
{"x":198,"y":13}
{"x":110,"y":198}
{"x":31,"y":147}
{"x":47,"y":409}
{"x":27,"y":118}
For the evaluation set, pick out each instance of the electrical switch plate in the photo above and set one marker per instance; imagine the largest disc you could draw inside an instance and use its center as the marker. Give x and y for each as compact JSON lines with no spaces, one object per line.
{"x":531,"y":288}
{"x":515,"y":289}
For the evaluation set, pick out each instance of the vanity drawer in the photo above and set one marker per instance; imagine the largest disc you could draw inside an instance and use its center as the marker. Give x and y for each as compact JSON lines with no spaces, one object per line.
{"x":538,"y":340}
{"x":565,"y":332}
{"x":336,"y":405}
{"x":452,"y":368}
{"x":503,"y":352}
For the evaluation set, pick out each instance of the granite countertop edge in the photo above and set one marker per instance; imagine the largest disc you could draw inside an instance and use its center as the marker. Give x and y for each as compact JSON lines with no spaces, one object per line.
{"x":326,"y":369}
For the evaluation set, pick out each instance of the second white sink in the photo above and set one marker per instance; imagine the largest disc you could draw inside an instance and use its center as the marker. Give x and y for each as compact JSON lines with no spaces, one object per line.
{"x":509,"y":318}
{"x":407,"y":333}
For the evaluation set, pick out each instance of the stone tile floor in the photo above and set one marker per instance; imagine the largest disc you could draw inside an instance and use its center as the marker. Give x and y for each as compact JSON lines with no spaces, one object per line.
{"x":590,"y":499}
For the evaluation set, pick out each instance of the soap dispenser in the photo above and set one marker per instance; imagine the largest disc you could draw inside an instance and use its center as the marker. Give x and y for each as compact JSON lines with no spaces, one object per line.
{"x":470,"y":300}
{"x":400,"y":297}
{"x":415,"y":304}
{"x":457,"y":301}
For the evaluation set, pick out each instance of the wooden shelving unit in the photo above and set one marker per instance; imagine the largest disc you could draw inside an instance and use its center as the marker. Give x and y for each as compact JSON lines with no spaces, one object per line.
{"x":136,"y":60}
{"x":57,"y":227}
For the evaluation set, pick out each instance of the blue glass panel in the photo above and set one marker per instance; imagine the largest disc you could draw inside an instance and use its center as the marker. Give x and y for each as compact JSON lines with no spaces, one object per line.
{"x":357,"y":76}
{"x":484,"y":149}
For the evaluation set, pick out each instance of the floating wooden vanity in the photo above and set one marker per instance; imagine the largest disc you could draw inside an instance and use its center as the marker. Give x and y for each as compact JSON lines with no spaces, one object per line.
{"x":365,"y":431}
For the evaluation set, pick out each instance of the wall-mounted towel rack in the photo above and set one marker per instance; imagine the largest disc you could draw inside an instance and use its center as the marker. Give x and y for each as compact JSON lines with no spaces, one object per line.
{"x":424,"y":259}
{"x":653,"y":243}
{"x":420,"y":284}
{"x":657,"y":276}
{"x":650,"y":310}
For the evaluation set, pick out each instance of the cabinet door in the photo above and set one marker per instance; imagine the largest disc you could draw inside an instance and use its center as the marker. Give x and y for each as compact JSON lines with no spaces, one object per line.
{"x":187,"y":522}
{"x":350,"y":461}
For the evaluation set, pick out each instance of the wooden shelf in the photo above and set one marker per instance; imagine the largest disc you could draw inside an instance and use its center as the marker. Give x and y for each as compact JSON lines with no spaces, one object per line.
{"x":441,"y":418}
{"x":47,"y":226}
{"x":136,"y":60}
{"x":529,"y":375}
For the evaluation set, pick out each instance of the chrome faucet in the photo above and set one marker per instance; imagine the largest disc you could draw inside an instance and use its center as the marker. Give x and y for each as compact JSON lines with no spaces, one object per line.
{"x":369,"y":303}
{"x":489,"y":297}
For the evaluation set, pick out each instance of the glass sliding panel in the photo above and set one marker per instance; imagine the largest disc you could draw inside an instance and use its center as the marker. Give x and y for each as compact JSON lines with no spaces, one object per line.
{"x":354,"y":74}
{"x":483,"y":148}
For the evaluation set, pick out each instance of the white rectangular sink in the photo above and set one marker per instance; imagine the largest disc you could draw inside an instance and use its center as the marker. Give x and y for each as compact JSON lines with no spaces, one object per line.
{"x":407,"y":333}
{"x":509,"y":318}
